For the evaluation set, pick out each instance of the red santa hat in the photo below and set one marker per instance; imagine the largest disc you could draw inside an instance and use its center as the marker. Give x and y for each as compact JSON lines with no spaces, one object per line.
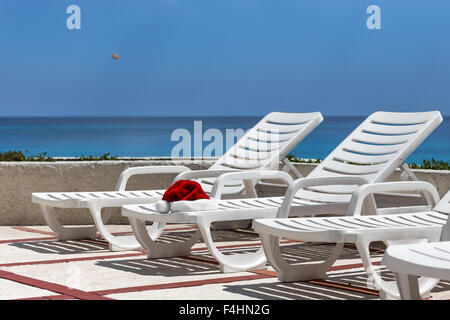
{"x":185,"y":195}
{"x":184,"y":190}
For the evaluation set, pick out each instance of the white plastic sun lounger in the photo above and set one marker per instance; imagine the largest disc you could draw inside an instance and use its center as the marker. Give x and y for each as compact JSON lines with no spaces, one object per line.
{"x":261,"y":148}
{"x":390,"y":224}
{"x":411,"y":261}
{"x":368,"y":155}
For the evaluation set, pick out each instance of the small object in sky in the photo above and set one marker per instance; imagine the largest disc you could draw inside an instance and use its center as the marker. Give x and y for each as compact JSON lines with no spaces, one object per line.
{"x":115,"y":56}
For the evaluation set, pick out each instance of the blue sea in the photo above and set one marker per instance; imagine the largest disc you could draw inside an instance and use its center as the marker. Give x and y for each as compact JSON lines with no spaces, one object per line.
{"x":151,"y":137}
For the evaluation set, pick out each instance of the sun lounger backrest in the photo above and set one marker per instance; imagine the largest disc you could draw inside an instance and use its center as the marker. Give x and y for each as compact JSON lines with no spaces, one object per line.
{"x":269,"y":141}
{"x":444,"y":207}
{"x":373,"y":151}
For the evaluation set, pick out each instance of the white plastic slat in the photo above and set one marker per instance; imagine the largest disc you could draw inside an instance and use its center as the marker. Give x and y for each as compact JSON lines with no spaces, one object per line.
{"x":287,"y":118}
{"x":322,"y":197}
{"x":371,"y":149}
{"x":338,"y":189}
{"x":71,"y":195}
{"x":227,"y":189}
{"x":326,"y":223}
{"x":345,"y":156}
{"x":385,"y":129}
{"x":348,"y":224}
{"x":79,"y":194}
{"x":241,"y":165}
{"x":252,"y":155}
{"x":284,"y":224}
{"x":302,"y":202}
{"x":276,"y":128}
{"x":269,"y":203}
{"x":228,"y":205}
{"x":211,"y":181}
{"x":403,"y":118}
{"x":417,"y":220}
{"x":320,"y":225}
{"x":260,"y":146}
{"x":389,"y":223}
{"x":434,"y":217}
{"x":361,"y":223}
{"x":352,"y":169}
{"x":52,"y":196}
{"x":235,"y":163}
{"x":275,"y":200}
{"x":381,"y":139}
{"x":405,"y":221}
{"x":271,"y":137}
{"x":244,"y":205}
{"x":326,"y":173}
{"x":301,"y":223}
{"x":233,"y":159}
{"x":436,"y":253}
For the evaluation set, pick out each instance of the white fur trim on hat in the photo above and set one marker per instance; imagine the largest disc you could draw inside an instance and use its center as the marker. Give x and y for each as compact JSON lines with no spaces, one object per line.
{"x":195,"y":205}
{"x":164,"y":206}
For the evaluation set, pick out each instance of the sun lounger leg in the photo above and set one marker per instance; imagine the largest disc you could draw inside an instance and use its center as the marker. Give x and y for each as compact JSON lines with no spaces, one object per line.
{"x":116,"y":243}
{"x":231,"y":263}
{"x":298,"y":272}
{"x":408,"y":285}
{"x":66,"y":233}
{"x":108,"y":212}
{"x":161,"y":249}
{"x":388,"y":289}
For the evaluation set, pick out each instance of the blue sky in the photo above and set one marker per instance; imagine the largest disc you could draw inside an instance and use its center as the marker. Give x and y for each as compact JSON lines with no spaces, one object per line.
{"x":223,"y":57}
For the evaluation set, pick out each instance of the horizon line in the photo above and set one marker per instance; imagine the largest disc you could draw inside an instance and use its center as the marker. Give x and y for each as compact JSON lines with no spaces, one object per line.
{"x":183,"y":116}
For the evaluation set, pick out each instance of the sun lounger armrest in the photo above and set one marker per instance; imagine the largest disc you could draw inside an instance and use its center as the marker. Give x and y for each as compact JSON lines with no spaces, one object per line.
{"x":358,"y":197}
{"x":247,"y":177}
{"x":285,"y":208}
{"x":198,"y":174}
{"x":127,"y":173}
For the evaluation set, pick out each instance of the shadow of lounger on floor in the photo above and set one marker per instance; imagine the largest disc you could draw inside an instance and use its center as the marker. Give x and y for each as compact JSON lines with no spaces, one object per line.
{"x":61,"y":247}
{"x":296,"y":291}
{"x":164,"y":266}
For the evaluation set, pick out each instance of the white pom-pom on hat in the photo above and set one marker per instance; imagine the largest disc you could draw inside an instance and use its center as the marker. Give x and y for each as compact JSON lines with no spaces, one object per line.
{"x":163,"y":206}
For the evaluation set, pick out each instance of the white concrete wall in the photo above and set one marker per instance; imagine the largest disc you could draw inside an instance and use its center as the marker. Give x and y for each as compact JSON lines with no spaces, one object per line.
{"x":19,"y":179}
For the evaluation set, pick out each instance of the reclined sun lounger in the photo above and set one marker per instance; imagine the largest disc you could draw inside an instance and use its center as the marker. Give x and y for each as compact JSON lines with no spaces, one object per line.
{"x":409,"y":262}
{"x":390,"y":224}
{"x":261,"y":148}
{"x":368,"y":155}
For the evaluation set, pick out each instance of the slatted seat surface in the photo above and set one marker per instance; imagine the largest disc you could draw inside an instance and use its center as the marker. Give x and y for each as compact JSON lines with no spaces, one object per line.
{"x":247,"y":208}
{"x":78,"y":199}
{"x":234,"y":204}
{"x":56,"y":198}
{"x":430,"y":258}
{"x":334,"y":229}
{"x":424,"y":259}
{"x":227,"y":211}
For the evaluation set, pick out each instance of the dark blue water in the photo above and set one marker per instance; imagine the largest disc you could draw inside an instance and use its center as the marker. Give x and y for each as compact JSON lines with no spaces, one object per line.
{"x":140,"y":137}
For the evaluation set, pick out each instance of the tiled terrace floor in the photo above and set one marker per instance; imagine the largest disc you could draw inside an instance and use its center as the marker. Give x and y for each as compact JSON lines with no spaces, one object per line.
{"x":34,"y":265}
